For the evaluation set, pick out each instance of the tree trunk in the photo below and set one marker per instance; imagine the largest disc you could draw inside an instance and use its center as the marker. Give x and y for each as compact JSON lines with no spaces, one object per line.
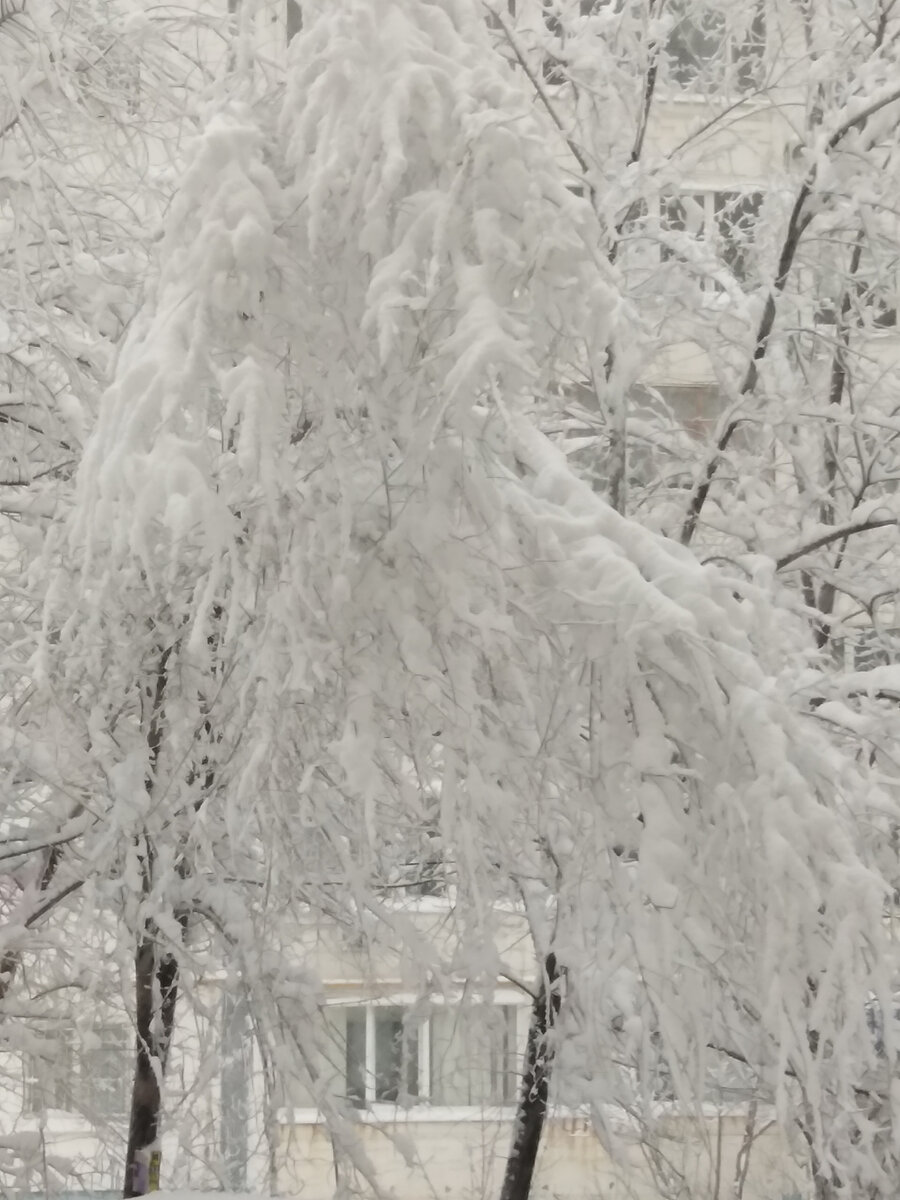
{"x":293,"y":19}
{"x":535,"y":1089}
{"x":156,"y":996}
{"x":156,"y":978}
{"x":155,"y":992}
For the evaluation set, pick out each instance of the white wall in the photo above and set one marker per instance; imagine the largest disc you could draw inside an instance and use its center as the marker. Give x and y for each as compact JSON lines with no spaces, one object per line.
{"x":461,"y":1157}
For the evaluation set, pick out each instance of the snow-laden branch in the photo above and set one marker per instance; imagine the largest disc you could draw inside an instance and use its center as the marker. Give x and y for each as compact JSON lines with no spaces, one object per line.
{"x":836,"y":534}
{"x":802,"y":212}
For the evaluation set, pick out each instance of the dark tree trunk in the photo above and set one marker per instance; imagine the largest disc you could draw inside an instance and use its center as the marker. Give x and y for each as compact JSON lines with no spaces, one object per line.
{"x":155,"y":992}
{"x":156,"y":997}
{"x":293,"y":19}
{"x":532,"y":1108}
{"x":156,"y":970}
{"x":143,"y":1125}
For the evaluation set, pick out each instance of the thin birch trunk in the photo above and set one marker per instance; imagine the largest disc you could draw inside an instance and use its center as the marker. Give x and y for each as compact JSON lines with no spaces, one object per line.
{"x":156,"y":993}
{"x":535,"y":1090}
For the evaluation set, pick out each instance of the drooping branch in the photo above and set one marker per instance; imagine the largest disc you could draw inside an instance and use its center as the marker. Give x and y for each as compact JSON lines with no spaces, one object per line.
{"x":548,"y":105}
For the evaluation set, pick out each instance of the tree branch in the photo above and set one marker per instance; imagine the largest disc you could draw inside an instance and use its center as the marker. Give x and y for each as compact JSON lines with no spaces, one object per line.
{"x":541,"y":94}
{"x":833,"y":535}
{"x":798,"y":223}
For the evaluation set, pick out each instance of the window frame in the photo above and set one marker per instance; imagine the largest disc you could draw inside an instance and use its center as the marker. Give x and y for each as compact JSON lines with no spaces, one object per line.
{"x":67,"y":1081}
{"x":502,"y":1055}
{"x":421,"y":1104}
{"x":369,"y":1071}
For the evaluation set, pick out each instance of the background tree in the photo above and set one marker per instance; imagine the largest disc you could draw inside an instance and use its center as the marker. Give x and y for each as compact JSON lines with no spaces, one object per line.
{"x":789,"y":297}
{"x":97,"y":99}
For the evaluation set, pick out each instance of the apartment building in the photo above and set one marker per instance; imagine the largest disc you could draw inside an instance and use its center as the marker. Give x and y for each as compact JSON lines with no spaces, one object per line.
{"x":436,"y":1082}
{"x":421,"y":1086}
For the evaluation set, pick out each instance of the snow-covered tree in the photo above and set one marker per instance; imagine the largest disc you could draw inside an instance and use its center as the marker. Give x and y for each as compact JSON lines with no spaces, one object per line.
{"x":783,"y":281}
{"x":96,"y":103}
{"x":326,"y":585}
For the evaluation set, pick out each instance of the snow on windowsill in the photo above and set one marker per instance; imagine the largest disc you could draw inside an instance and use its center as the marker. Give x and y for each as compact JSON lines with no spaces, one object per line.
{"x":755,"y":101}
{"x":397,"y":901}
{"x":437,"y":1114}
{"x":424,"y":1114}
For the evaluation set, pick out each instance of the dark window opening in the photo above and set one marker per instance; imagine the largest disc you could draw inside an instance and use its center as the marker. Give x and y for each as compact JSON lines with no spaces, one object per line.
{"x":707,"y":51}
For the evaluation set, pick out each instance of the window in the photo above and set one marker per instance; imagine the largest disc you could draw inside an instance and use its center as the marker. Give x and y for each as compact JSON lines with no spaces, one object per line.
{"x":864,"y":649}
{"x":473,"y":1055}
{"x":92,"y":1079}
{"x":48,"y":1075}
{"x":382,"y":1055}
{"x":696,"y":407}
{"x":709,"y":49}
{"x":104,"y":1073}
{"x":414,"y":861}
{"x":556,"y":15}
{"x":392,"y":1054}
{"x":726,"y":219}
{"x":554,"y":10}
{"x":870,"y":305}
